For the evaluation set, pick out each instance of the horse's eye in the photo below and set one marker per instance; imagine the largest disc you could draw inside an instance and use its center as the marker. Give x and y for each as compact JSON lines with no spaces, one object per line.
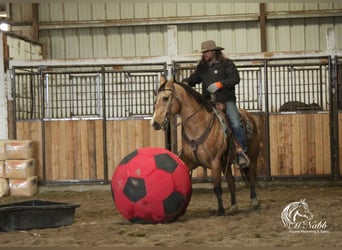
{"x":165,"y":98}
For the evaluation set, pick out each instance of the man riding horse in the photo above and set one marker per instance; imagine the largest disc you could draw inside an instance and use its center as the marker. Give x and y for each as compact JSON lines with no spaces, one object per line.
{"x":219,"y":76}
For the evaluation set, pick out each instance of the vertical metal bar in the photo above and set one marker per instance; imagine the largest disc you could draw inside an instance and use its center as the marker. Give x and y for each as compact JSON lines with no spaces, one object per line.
{"x":320,"y":77}
{"x":334,"y":137}
{"x":98,"y":78}
{"x":260,"y":89}
{"x":267,"y":121}
{"x":104,"y":124}
{"x":47,"y":105}
{"x":14,"y":89}
{"x":41,"y":77}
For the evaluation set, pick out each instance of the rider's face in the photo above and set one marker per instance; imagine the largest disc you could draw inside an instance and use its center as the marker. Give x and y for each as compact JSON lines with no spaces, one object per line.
{"x":209,"y":55}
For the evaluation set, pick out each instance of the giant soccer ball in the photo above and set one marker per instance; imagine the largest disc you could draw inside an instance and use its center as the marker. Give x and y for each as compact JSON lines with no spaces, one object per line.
{"x":151,"y":185}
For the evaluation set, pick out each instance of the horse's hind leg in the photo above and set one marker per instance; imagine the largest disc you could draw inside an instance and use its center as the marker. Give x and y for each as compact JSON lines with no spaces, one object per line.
{"x":251,"y":178}
{"x":218,"y":190}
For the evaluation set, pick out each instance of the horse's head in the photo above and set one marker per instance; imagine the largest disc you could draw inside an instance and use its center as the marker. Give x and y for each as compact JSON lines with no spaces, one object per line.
{"x":303,"y":210}
{"x":166,"y":104}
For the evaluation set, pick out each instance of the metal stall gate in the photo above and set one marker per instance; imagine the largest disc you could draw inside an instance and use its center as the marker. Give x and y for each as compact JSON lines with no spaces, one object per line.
{"x":85,"y":119}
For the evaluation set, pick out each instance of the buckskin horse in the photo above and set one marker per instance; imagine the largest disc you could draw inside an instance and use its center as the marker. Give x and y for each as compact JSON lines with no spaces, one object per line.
{"x":204,"y":141}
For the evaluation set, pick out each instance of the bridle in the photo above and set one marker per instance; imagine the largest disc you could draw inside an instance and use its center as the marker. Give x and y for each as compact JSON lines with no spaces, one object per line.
{"x":194,"y":143}
{"x":169,"y":107}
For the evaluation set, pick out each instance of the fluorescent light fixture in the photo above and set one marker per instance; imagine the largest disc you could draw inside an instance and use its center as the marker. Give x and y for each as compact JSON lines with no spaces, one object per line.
{"x":4,"y":27}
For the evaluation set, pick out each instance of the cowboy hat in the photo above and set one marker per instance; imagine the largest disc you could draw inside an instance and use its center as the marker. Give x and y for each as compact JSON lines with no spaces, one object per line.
{"x":209,"y":45}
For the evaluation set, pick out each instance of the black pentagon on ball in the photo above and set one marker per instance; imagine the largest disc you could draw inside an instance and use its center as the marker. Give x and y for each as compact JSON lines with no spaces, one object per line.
{"x":135,"y":189}
{"x":128,"y":157}
{"x":174,"y":203}
{"x":165,"y":162}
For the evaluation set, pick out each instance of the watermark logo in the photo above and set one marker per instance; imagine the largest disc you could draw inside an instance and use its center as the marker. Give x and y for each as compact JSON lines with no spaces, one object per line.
{"x":298,"y":218}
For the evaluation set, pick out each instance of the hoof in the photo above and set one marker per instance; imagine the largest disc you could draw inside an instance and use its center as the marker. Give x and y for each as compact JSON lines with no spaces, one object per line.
{"x":221,"y":212}
{"x":254,"y":203}
{"x":233,"y":209}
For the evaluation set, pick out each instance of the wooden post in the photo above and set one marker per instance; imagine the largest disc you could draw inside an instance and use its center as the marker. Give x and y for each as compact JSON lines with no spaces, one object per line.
{"x":262,"y":9}
{"x":35,"y":22}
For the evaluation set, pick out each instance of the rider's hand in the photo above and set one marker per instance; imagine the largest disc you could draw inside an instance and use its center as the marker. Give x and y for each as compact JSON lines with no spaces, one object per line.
{"x":212,"y":88}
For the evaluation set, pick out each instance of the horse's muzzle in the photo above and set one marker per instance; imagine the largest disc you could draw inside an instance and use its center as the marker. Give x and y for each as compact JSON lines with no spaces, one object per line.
{"x":156,"y":126}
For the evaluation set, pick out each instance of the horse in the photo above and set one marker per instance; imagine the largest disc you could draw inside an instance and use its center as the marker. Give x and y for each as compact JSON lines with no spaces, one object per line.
{"x":204,"y":139}
{"x":295,"y":211}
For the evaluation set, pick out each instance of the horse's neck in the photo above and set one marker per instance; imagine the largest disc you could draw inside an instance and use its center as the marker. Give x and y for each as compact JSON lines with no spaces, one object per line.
{"x":194,"y":118}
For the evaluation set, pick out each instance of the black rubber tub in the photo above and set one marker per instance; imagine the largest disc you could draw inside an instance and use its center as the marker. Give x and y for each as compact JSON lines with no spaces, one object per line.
{"x":31,"y":214}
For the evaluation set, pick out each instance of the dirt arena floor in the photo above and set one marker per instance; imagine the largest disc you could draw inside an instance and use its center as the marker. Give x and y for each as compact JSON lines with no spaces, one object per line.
{"x":97,"y":222}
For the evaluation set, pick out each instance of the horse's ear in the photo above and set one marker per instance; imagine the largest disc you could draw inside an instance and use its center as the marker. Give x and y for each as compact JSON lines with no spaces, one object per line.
{"x":162,"y":79}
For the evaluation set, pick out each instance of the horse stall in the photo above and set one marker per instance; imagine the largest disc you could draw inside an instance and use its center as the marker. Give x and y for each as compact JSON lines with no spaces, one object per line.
{"x":85,"y":116}
{"x":291,"y":100}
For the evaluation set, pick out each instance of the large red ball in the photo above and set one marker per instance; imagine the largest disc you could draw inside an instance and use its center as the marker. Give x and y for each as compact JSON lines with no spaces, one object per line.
{"x":151,"y":185}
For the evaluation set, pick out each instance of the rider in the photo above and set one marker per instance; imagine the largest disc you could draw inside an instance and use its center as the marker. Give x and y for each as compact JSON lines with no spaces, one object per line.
{"x":219,"y":76}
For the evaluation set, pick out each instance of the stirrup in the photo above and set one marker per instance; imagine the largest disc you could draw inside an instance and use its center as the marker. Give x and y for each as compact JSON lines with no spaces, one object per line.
{"x":242,"y":154}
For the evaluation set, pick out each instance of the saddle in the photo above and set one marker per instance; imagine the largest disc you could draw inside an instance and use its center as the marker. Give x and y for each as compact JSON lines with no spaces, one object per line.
{"x":246,"y":124}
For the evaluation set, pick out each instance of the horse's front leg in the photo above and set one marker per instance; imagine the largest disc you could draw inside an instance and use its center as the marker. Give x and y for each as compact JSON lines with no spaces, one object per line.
{"x":232,"y":188}
{"x":216,"y":174}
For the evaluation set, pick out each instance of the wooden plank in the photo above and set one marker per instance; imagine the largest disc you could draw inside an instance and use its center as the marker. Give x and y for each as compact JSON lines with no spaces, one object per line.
{"x":326,"y":144}
{"x":77,"y":155}
{"x":48,"y":150}
{"x":113,"y":146}
{"x":69,"y":152}
{"x":131,"y":132}
{"x":91,"y":149}
{"x":319,"y":147}
{"x":62,"y":159}
{"x":274,"y":161}
{"x":124,"y":139}
{"x":84,"y":149}
{"x":53,"y":169}
{"x":146,"y":134}
{"x":296,"y":145}
{"x":311,"y":144}
{"x":99,"y":150}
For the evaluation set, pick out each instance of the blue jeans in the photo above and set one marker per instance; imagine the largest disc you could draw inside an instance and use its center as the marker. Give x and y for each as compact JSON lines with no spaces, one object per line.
{"x":234,"y":120}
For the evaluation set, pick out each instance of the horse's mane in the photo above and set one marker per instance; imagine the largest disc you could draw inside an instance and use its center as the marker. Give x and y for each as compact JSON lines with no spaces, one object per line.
{"x":193,"y":94}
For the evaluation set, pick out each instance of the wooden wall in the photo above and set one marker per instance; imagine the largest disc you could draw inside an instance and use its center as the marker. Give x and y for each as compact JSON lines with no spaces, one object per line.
{"x":299,"y":144}
{"x":125,"y":136}
{"x":75,"y":149}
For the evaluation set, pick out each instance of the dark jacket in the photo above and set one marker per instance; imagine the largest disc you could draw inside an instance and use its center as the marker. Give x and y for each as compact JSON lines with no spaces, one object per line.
{"x":225,"y":72}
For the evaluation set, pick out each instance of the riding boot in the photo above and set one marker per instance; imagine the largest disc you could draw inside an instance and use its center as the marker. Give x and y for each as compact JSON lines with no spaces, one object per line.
{"x":241,"y":156}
